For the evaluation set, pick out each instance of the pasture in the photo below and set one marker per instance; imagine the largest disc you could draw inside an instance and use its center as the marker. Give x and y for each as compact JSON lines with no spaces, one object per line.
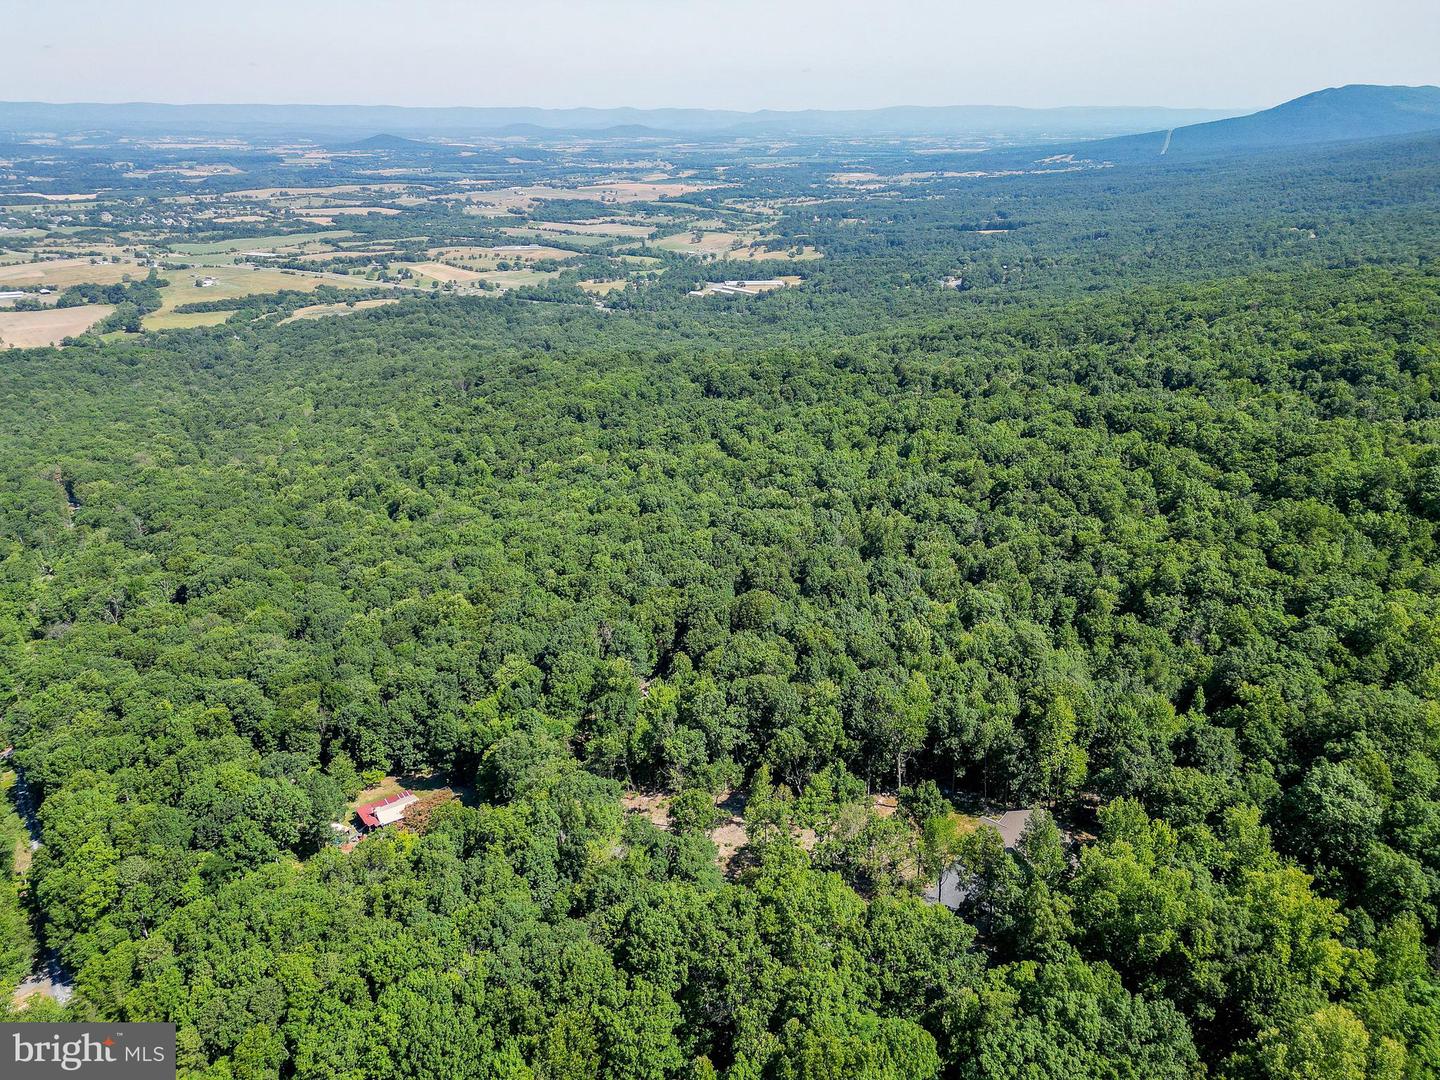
{"x":63,"y":273}
{"x":233,"y":282}
{"x":278,"y":242}
{"x":742,"y":247}
{"x":177,"y":320}
{"x":468,"y":255}
{"x":31,"y":329}
{"x":603,"y":288}
{"x":595,"y":228}
{"x":441,"y":272}
{"x":695,"y":242}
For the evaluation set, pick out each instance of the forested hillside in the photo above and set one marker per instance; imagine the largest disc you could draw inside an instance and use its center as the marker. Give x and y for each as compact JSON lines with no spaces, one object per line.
{"x":1170,"y":551}
{"x":719,"y":538}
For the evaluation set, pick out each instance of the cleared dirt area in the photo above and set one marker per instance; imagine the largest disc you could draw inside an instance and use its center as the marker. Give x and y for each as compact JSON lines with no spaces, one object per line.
{"x":728,"y":835}
{"x":66,"y":272}
{"x":31,"y":329}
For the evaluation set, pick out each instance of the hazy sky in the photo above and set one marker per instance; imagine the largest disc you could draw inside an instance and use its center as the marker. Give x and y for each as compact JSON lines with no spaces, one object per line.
{"x":743,"y":54}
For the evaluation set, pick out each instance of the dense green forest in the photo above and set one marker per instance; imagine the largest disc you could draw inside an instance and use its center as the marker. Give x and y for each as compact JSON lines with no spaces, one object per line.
{"x":1150,"y":548}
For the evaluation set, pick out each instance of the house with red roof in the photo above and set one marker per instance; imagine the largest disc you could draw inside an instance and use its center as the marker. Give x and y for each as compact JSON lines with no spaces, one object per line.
{"x":386,"y":811}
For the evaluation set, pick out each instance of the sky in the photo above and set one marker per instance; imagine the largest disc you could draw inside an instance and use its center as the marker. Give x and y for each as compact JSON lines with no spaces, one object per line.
{"x":738,"y":54}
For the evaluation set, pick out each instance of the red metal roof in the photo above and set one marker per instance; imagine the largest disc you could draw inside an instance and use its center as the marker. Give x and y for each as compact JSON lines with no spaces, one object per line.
{"x":367,"y":812}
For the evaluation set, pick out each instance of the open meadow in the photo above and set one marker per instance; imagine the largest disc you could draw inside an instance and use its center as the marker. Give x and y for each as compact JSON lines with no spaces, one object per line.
{"x":30,"y":329}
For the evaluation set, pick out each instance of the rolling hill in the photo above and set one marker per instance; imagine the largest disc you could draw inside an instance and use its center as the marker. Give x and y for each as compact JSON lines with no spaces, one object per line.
{"x":1338,"y":114}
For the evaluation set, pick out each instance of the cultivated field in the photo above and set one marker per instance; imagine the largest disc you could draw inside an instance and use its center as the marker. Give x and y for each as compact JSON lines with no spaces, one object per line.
{"x":66,"y":272}
{"x":29,"y":329}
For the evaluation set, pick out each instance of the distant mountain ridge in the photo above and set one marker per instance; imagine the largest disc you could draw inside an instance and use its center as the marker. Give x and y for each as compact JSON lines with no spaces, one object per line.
{"x":1337,"y":114}
{"x":356,"y":122}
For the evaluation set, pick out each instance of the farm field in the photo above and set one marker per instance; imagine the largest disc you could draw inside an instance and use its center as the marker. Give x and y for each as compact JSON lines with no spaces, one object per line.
{"x":322,"y":256}
{"x":335,"y":189}
{"x":729,"y":245}
{"x":278,"y":242}
{"x":760,"y":254}
{"x":426,"y":272}
{"x":177,"y":320}
{"x":477,"y":258}
{"x":701,"y":243}
{"x":30,"y":329}
{"x":63,"y":273}
{"x":438,"y":271}
{"x":603,"y":288}
{"x":595,"y":228}
{"x":232,"y":282}
{"x":540,"y":236}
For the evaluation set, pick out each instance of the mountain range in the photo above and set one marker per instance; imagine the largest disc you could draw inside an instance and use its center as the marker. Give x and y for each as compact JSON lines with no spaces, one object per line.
{"x":1332,"y":115}
{"x":354,"y":122}
{"x":1337,"y":114}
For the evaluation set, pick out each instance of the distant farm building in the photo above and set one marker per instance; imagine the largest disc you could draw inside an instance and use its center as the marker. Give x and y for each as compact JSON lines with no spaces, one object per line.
{"x":386,"y":811}
{"x":739,"y":288}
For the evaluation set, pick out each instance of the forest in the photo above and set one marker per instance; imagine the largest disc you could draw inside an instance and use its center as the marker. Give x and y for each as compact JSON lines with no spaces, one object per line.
{"x":1137,"y":531}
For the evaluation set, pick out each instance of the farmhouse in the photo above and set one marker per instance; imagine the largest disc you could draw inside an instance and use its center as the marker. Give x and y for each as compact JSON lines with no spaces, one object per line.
{"x":386,"y":811}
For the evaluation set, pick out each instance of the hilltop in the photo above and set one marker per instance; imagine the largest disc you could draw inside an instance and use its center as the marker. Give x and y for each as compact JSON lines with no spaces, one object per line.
{"x":1337,"y":114}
